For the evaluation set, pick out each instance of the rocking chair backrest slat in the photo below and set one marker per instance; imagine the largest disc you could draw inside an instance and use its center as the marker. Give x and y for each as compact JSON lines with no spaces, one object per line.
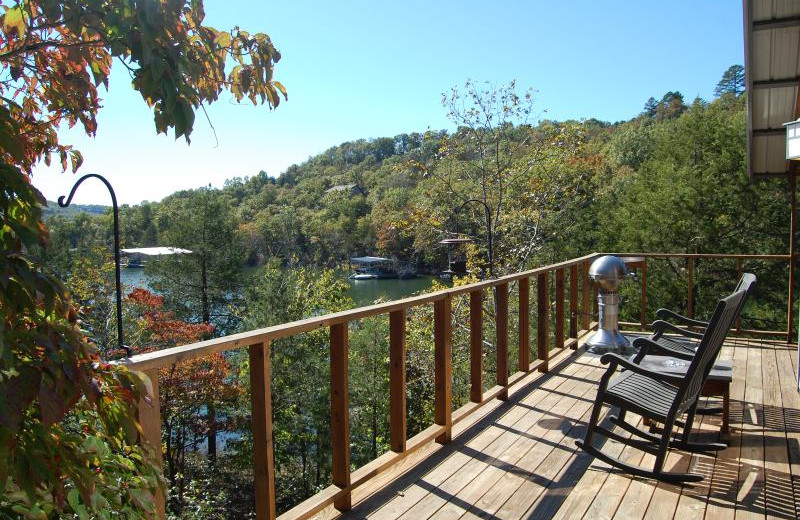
{"x":746,"y":283}
{"x":724,"y":315}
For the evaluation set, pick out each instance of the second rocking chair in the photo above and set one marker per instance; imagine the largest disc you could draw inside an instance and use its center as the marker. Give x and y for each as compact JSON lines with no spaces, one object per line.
{"x":661,"y":397}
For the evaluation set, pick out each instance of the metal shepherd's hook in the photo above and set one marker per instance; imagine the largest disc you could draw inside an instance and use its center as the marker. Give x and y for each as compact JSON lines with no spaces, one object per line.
{"x":63,"y":204}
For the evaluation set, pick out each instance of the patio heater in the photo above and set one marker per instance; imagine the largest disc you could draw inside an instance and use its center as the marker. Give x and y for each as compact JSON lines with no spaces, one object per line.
{"x":608,"y":272}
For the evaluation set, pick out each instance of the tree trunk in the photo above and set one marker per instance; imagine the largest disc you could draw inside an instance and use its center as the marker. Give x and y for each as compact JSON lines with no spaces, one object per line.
{"x":210,"y":406}
{"x":212,"y":432}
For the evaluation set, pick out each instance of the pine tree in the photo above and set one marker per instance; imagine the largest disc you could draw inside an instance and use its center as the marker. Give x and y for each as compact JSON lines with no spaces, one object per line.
{"x":732,"y":81}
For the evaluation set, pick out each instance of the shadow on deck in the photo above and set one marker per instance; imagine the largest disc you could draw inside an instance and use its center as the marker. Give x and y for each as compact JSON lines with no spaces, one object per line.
{"x":519,"y":460}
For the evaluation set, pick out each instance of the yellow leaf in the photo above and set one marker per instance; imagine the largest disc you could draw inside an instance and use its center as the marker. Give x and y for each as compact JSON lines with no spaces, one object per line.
{"x":14,"y":19}
{"x":278,"y":85}
{"x":223,"y":39}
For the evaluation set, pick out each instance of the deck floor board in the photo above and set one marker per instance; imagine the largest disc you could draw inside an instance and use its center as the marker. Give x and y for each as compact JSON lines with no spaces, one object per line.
{"x":519,"y":460}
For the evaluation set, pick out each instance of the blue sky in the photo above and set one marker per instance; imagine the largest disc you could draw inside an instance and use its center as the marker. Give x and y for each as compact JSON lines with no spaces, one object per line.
{"x":359,"y":69}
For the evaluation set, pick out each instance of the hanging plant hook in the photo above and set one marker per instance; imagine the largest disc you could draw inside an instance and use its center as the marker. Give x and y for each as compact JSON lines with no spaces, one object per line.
{"x":62,"y":203}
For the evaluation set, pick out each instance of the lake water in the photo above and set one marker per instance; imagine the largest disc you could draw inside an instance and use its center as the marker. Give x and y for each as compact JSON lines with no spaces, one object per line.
{"x":363,"y":292}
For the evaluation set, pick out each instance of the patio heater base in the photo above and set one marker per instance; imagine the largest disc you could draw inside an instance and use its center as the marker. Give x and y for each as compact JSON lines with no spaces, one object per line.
{"x":604,"y":341}
{"x":607,"y":338}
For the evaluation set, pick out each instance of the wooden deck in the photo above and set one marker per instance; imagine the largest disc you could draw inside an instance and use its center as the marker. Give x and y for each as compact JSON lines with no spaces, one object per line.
{"x":519,"y":460}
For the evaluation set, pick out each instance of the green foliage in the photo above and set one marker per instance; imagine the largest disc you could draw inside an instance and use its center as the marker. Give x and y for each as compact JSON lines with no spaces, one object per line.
{"x":732,"y":82}
{"x":68,"y":441}
{"x":205,"y":285}
{"x":57,"y":54}
{"x":693,"y":183}
{"x":300,"y":375}
{"x":93,"y":291}
{"x":188,"y":390}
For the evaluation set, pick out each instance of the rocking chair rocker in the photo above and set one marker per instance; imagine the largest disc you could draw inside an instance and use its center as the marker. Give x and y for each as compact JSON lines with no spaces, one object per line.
{"x":660,"y":397}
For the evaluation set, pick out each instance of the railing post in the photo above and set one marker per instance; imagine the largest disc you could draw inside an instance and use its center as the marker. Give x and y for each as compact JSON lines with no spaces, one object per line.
{"x":150,"y":420}
{"x":643,"y":317}
{"x":263,"y":455}
{"x":501,"y":326}
{"x":690,"y":296}
{"x":524,"y":325}
{"x":397,"y":379}
{"x":792,"y":246}
{"x":739,"y":272}
{"x":560,"y":307}
{"x":543,"y":325}
{"x":573,"y":304}
{"x":443,"y":367}
{"x":587,"y":297}
{"x":476,"y":346}
{"x":340,"y":419}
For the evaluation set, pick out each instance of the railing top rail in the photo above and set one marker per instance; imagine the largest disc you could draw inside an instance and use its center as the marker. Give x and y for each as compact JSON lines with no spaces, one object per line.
{"x":191,"y":351}
{"x":166,"y":357}
{"x":709,"y":256}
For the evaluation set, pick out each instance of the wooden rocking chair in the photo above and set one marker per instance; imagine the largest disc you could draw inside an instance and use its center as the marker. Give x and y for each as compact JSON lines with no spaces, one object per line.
{"x":660,"y":397}
{"x":683,"y":343}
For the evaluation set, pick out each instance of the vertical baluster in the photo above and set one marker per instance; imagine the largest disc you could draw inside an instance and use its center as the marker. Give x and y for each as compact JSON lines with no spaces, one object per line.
{"x":560,"y":308}
{"x":150,"y":420}
{"x":524,"y":325}
{"x":476,"y":346}
{"x":690,"y":295}
{"x":501,"y":326}
{"x":443,"y":368}
{"x":397,"y":379}
{"x":340,"y":420}
{"x":573,"y":304}
{"x":263,"y":456}
{"x":586,"y":309}
{"x":543,"y":325}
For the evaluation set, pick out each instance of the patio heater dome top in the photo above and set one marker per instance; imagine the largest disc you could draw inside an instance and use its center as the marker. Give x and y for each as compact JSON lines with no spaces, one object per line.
{"x":608,"y":272}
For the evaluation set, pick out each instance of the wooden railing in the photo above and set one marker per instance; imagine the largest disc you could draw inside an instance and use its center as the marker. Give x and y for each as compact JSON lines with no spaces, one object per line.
{"x":639,"y":262}
{"x":578,"y":296}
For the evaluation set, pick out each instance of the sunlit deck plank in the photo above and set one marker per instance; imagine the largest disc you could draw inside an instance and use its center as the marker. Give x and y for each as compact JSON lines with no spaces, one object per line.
{"x":693,"y":499}
{"x":514,"y":464}
{"x":778,"y":494}
{"x":791,"y":411}
{"x":545,"y":463}
{"x":578,"y":498}
{"x":531,"y":409}
{"x":724,"y":482}
{"x":751,"y":456}
{"x":421,"y":488}
{"x":614,"y":489}
{"x":532,"y":456}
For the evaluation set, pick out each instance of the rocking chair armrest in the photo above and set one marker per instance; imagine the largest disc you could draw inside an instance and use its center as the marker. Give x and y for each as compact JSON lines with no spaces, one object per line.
{"x":660,"y":327}
{"x":666,"y":314}
{"x":650,"y":346}
{"x":617,"y":360}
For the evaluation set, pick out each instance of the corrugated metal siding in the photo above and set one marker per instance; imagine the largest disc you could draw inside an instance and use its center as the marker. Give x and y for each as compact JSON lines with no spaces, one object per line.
{"x":771,"y":54}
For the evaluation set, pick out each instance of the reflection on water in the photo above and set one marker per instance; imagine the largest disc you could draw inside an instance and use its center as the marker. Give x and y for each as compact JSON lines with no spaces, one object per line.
{"x":363,"y":292}
{"x":133,"y":279}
